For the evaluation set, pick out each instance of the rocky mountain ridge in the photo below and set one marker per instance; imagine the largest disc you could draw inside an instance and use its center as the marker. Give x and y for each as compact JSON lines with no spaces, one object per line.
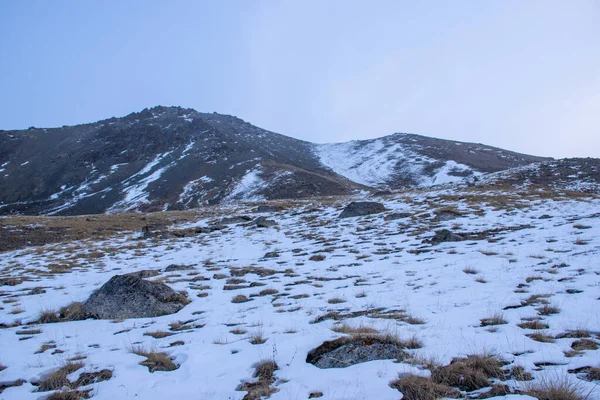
{"x":169,"y":158}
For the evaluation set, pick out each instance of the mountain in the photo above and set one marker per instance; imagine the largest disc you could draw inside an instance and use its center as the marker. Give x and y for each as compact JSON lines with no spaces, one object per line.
{"x":175,"y":158}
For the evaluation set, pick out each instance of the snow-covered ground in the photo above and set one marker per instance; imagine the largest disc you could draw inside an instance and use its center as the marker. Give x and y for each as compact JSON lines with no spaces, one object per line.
{"x":377,"y":266}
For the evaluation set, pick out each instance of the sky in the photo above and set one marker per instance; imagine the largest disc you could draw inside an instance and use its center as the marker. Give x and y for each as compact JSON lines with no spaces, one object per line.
{"x":523,"y":75}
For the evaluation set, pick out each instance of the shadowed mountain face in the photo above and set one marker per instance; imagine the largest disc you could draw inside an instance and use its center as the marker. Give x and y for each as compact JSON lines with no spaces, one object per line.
{"x":175,"y":158}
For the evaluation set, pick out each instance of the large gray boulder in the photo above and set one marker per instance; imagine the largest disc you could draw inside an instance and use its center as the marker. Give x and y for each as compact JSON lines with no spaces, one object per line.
{"x":130,"y":296}
{"x":360,"y":208}
{"x":344,"y":352}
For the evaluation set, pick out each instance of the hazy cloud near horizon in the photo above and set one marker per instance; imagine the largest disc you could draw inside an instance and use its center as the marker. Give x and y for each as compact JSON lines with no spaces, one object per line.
{"x":518,"y":74}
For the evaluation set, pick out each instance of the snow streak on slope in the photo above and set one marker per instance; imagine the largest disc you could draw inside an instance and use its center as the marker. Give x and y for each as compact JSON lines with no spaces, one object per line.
{"x":371,"y":164}
{"x":192,"y":189}
{"x":137,"y":193}
{"x":378,"y":163}
{"x":248,"y":187}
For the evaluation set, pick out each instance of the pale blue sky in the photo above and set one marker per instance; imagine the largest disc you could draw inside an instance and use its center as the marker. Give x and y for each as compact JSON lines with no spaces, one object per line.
{"x":518,"y":74}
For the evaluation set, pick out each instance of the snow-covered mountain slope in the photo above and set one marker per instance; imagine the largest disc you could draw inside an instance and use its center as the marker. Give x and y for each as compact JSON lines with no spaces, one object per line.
{"x":402,"y":160}
{"x":163,"y":158}
{"x":521,"y":287}
{"x":169,"y":158}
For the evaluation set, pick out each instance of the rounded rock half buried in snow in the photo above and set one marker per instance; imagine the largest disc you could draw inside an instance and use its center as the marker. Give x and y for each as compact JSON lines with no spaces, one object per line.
{"x":344,"y":352}
{"x":129,"y":296}
{"x":360,"y":208}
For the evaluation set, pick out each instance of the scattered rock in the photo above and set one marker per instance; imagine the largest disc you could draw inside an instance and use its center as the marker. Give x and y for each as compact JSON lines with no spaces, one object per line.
{"x":268,"y":209}
{"x":344,"y":352}
{"x":447,"y":214}
{"x":36,"y":290}
{"x":445,"y":235}
{"x":130,"y":296}
{"x":263,"y":222}
{"x":209,"y":229}
{"x":178,"y":267}
{"x":395,"y":216}
{"x":361,"y":208}
{"x":240,"y":219}
{"x":382,"y":193}
{"x":145,"y":273}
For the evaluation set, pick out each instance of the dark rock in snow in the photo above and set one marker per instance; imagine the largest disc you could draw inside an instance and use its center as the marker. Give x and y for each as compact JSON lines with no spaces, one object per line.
{"x":344,"y":352}
{"x":178,"y":267}
{"x":445,"y":235}
{"x":268,"y":209}
{"x":129,"y":296}
{"x":271,"y":254}
{"x":382,"y":193}
{"x":145,"y":273}
{"x":263,"y":222}
{"x":241,"y":219}
{"x":395,"y":216}
{"x":360,"y":208}
{"x":447,"y":215}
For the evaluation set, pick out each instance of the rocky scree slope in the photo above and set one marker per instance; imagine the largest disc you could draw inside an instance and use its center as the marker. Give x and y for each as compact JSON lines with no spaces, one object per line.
{"x":169,"y":158}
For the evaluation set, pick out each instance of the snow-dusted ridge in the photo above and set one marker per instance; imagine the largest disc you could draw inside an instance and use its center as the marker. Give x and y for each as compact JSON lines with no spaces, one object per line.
{"x":153,"y":160}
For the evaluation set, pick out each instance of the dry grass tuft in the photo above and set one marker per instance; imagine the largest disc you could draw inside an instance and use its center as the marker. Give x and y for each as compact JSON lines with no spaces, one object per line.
{"x":58,"y":379}
{"x":240,"y":298}
{"x":555,"y":389}
{"x":336,"y":300}
{"x":158,"y":334}
{"x":29,"y":332}
{"x":70,"y":395}
{"x":262,"y":388}
{"x":414,"y":387}
{"x":354,"y":331}
{"x":496,"y":319}
{"x":267,"y":292}
{"x":48,"y":317}
{"x":414,"y":320}
{"x":584,"y":344}
{"x":155,"y":361}
{"x":470,"y":271}
{"x":470,"y":373}
{"x":540,"y":336}
{"x":257,"y":338}
{"x":548,"y":309}
{"x":72,"y":312}
{"x":519,"y":374}
{"x":536,"y":324}
{"x":593,"y":374}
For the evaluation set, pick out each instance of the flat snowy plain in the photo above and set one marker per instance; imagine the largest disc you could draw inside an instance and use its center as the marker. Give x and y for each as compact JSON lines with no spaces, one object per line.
{"x":530,"y":244}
